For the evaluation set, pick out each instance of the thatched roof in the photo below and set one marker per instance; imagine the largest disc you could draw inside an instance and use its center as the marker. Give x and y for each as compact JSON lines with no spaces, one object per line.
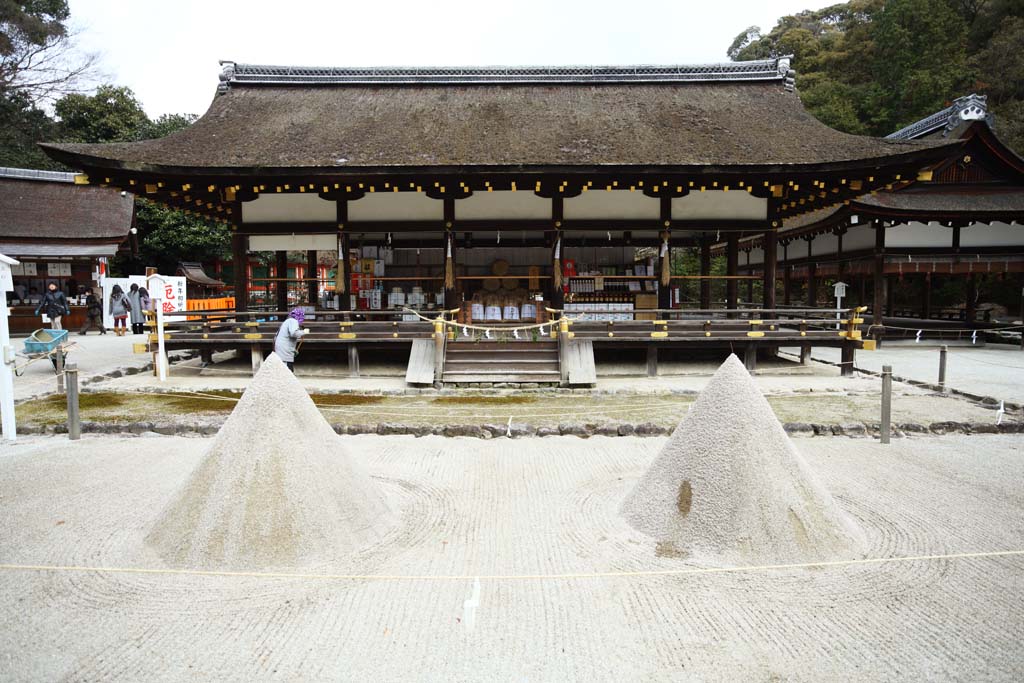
{"x":731,"y":115}
{"x":44,"y":206}
{"x":1010,"y":201}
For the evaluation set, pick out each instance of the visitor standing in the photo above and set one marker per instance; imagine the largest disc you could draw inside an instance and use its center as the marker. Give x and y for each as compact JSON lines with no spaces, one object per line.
{"x":147,"y":305}
{"x":138,"y":317}
{"x":120,"y":306}
{"x":54,"y":305}
{"x":286,"y":344}
{"x":93,"y":313}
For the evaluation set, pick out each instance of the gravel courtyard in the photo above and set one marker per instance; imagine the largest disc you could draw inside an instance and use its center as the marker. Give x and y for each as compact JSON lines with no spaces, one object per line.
{"x":511,"y":563}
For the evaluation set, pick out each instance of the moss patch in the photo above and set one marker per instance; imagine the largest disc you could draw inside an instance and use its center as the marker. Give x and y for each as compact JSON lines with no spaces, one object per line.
{"x":204,"y":404}
{"x":86,"y":401}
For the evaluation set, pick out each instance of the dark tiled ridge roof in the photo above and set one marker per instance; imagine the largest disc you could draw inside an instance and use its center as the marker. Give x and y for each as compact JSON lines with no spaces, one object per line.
{"x":968,"y":108}
{"x":259,"y":74}
{"x":33,"y":174}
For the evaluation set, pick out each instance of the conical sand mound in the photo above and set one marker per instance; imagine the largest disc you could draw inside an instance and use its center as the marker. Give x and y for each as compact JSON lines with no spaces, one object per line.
{"x":274,"y":490}
{"x":730,"y":486}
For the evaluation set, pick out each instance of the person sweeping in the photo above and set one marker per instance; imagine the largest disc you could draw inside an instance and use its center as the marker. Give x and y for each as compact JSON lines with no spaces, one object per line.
{"x":286,"y":344}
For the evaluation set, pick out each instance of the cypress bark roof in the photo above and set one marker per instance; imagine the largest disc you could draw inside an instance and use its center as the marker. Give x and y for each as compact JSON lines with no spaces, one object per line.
{"x":55,"y":209}
{"x":730,"y":115}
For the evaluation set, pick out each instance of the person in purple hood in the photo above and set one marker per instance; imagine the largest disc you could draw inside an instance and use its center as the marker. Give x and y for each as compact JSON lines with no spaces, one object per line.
{"x":286,"y":343}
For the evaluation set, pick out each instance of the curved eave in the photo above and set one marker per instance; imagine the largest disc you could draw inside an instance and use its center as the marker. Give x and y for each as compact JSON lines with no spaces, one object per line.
{"x":922,"y":156}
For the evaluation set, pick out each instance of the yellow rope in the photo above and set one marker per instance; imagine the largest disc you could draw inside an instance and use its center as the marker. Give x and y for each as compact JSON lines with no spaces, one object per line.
{"x":456,"y":324}
{"x":507,"y":577}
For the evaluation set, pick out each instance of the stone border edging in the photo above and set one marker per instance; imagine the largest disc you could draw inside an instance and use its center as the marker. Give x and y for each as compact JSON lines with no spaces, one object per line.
{"x":520,"y":430}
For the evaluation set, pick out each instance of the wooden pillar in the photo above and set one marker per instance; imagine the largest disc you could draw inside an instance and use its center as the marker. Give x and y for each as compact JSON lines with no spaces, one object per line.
{"x":705,"y":271}
{"x":890,"y":295}
{"x":281,"y":272}
{"x":926,"y":297}
{"x":862,"y":290}
{"x":732,"y":267}
{"x":770,"y":243}
{"x":750,"y":282}
{"x":240,"y":263}
{"x":344,"y":275}
{"x":878,"y":299}
{"x":312,"y":286}
{"x":451,"y":294}
{"x":971,"y":303}
{"x":812,"y":276}
{"x":652,"y":360}
{"x":664,"y":289}
{"x":787,"y":279}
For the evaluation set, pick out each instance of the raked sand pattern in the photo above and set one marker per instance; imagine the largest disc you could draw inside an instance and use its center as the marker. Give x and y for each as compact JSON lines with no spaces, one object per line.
{"x":514,"y":513}
{"x":730,"y":486}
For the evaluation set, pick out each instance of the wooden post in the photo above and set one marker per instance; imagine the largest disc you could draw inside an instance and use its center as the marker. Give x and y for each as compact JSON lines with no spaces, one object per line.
{"x":705,"y":271}
{"x":812,"y":284}
{"x":847,"y":355}
{"x":74,"y":420}
{"x":886,"y":402}
{"x":750,"y":356}
{"x":563,"y":346}
{"x":240,"y":264}
{"x":652,"y":360}
{"x":770,"y":242}
{"x":257,"y":358}
{"x":281,"y":273}
{"x":353,"y":360}
{"x":732,"y":262}
{"x":943,"y":350}
{"x":438,"y":353}
{"x":805,"y":354}
{"x":312,"y":285}
{"x":878,"y":300}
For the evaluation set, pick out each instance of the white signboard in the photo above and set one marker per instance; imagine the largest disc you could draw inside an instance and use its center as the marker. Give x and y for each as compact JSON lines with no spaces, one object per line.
{"x":58,"y":269}
{"x":171,"y":295}
{"x":25,"y":269}
{"x":6,"y":280}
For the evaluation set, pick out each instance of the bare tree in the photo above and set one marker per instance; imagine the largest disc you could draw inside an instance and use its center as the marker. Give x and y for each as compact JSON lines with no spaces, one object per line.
{"x":38,"y":57}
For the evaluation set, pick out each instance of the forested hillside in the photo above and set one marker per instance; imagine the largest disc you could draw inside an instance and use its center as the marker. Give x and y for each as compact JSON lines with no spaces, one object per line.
{"x":873,"y":66}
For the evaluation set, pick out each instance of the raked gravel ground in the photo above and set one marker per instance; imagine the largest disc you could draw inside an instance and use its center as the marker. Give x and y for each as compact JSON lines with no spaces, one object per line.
{"x":533,"y":520}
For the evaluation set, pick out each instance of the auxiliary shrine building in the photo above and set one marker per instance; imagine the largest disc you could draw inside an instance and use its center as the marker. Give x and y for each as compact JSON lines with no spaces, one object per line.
{"x":504,"y":192}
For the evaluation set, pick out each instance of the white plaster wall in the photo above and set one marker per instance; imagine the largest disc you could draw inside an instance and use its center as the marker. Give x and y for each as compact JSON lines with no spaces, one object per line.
{"x":756,"y":256}
{"x":919,"y":235}
{"x":717,"y":204}
{"x":396,"y":206}
{"x":994,"y":235}
{"x":289,"y":208}
{"x":293,"y":242}
{"x":859,"y":237}
{"x":504,"y":204}
{"x":604,"y":205}
{"x":822,"y":244}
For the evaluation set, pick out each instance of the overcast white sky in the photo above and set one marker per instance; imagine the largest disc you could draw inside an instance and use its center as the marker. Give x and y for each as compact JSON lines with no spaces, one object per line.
{"x":167,"y":52}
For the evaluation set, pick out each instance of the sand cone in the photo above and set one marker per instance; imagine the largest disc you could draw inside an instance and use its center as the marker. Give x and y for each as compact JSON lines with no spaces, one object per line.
{"x":274,"y":490}
{"x":730,"y":486}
